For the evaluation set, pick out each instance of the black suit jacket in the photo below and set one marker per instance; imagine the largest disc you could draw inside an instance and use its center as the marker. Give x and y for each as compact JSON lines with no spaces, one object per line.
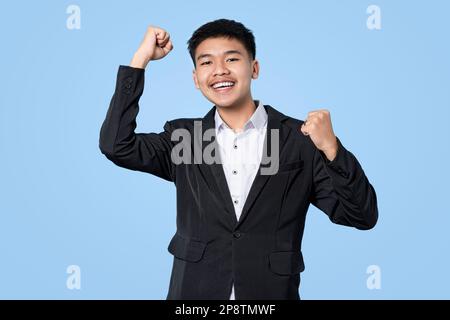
{"x":260,"y":253}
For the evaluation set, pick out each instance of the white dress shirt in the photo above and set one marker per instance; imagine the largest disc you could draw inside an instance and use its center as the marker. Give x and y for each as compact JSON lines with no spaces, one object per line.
{"x":240,"y":154}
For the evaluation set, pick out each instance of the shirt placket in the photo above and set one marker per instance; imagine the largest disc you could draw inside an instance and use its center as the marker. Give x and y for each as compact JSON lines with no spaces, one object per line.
{"x":236,"y":173}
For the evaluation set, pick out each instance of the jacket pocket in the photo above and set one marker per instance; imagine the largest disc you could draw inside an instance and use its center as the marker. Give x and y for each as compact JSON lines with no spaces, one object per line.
{"x":286,"y":262}
{"x":186,"y":249}
{"x":290,"y":166}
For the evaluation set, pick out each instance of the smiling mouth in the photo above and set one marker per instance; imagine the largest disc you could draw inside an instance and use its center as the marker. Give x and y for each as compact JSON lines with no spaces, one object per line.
{"x":223,"y":87}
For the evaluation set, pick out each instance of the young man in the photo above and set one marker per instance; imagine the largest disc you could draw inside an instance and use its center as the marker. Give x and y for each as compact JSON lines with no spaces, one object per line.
{"x":239,"y":229}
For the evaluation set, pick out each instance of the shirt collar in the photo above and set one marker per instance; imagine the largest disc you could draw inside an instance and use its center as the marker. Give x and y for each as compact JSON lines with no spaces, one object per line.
{"x":257,"y":120}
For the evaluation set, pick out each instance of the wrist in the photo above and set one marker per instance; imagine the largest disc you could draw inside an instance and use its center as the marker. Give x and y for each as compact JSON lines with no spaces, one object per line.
{"x":331,"y":152}
{"x":139,"y":61}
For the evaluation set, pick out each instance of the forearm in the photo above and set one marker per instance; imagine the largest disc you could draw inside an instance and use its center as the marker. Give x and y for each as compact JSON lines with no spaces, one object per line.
{"x":344,"y":192}
{"x":117,"y":130}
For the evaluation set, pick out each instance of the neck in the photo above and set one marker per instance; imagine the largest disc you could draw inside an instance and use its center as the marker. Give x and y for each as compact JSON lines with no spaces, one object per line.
{"x":236,"y":117}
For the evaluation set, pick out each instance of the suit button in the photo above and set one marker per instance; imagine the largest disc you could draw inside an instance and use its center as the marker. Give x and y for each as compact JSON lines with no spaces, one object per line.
{"x":237,"y":234}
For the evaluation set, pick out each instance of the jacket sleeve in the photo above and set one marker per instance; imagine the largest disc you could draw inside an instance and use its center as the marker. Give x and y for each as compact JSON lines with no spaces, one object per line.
{"x":146,"y":152}
{"x":342,"y":190}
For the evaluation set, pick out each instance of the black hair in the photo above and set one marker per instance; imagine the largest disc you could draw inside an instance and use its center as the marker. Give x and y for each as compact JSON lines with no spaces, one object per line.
{"x":222,"y":28}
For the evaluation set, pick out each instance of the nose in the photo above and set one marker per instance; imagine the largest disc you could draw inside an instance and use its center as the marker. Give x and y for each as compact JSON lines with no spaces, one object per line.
{"x":220,"y":68}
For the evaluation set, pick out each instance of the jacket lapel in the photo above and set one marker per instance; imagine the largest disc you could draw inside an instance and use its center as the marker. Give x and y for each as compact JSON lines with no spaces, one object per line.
{"x":274,"y":119}
{"x":215,"y":171}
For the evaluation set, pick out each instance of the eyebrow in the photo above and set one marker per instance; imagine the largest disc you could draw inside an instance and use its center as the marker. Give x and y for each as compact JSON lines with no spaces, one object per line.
{"x":226,"y":53}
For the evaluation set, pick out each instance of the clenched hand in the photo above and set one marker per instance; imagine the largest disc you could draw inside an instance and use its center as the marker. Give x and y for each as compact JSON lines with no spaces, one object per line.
{"x":155,"y":45}
{"x":318,"y":127}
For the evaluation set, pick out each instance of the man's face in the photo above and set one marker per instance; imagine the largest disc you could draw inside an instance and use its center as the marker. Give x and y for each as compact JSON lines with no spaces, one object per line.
{"x":224,"y":71}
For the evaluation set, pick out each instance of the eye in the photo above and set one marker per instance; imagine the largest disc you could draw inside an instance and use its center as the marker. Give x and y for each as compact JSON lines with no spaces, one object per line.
{"x":204,"y":63}
{"x":234,"y":59}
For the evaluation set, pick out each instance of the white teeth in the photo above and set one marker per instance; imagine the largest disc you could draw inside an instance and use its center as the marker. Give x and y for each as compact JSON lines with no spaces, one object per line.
{"x":223,"y":84}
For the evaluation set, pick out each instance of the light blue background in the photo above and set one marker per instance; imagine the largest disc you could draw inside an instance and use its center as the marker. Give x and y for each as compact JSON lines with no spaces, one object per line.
{"x":63,"y":203}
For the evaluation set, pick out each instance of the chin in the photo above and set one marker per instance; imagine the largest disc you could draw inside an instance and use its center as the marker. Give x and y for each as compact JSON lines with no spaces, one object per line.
{"x":224,"y":105}
{"x":225,"y":102}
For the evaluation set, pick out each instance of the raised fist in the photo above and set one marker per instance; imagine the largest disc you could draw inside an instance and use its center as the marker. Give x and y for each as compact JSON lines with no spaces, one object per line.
{"x":155,"y":45}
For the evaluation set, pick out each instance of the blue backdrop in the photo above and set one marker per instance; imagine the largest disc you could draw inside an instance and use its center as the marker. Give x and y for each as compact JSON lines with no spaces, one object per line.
{"x":63,"y":203}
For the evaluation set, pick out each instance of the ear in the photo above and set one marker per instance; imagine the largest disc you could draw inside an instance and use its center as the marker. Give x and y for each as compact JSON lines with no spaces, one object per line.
{"x":255,"y":69}
{"x":194,"y":76}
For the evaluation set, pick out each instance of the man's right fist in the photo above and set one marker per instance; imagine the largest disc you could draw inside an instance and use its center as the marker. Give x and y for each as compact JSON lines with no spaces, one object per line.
{"x":155,"y":45}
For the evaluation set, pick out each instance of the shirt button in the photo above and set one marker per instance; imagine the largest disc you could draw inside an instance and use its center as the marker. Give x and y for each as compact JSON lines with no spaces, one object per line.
{"x":236,"y":201}
{"x":234,"y":171}
{"x":235,"y":146}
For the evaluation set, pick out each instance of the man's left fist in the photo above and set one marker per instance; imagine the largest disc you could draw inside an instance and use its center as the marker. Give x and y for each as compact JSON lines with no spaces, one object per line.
{"x":318,"y":127}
